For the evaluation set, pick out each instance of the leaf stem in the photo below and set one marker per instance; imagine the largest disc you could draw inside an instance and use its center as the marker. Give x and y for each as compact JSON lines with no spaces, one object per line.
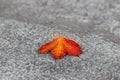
{"x":53,"y":34}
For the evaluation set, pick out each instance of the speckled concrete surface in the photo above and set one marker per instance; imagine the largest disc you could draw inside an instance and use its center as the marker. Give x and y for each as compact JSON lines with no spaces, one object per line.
{"x":19,"y":59}
{"x":79,"y":16}
{"x":27,"y":24}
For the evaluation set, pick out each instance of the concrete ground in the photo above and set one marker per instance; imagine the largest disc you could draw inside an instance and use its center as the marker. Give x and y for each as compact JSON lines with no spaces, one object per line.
{"x":25,"y":25}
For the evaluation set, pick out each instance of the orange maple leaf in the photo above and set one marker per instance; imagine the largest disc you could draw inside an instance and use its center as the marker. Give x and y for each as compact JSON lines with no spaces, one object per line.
{"x":61,"y":46}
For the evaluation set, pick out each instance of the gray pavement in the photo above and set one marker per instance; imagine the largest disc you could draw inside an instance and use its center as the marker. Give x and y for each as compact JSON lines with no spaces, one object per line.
{"x":25,"y":25}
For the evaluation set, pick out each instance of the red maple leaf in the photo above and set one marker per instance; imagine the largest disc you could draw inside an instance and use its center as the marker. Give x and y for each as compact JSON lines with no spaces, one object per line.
{"x":61,"y":46}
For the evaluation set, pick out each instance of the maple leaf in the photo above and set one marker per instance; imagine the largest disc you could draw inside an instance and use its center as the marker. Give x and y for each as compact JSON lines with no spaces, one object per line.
{"x":61,"y":46}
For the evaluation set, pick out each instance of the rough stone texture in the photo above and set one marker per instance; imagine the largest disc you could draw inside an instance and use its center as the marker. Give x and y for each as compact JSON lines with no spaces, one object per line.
{"x":19,"y":59}
{"x":27,"y":24}
{"x":81,"y":16}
